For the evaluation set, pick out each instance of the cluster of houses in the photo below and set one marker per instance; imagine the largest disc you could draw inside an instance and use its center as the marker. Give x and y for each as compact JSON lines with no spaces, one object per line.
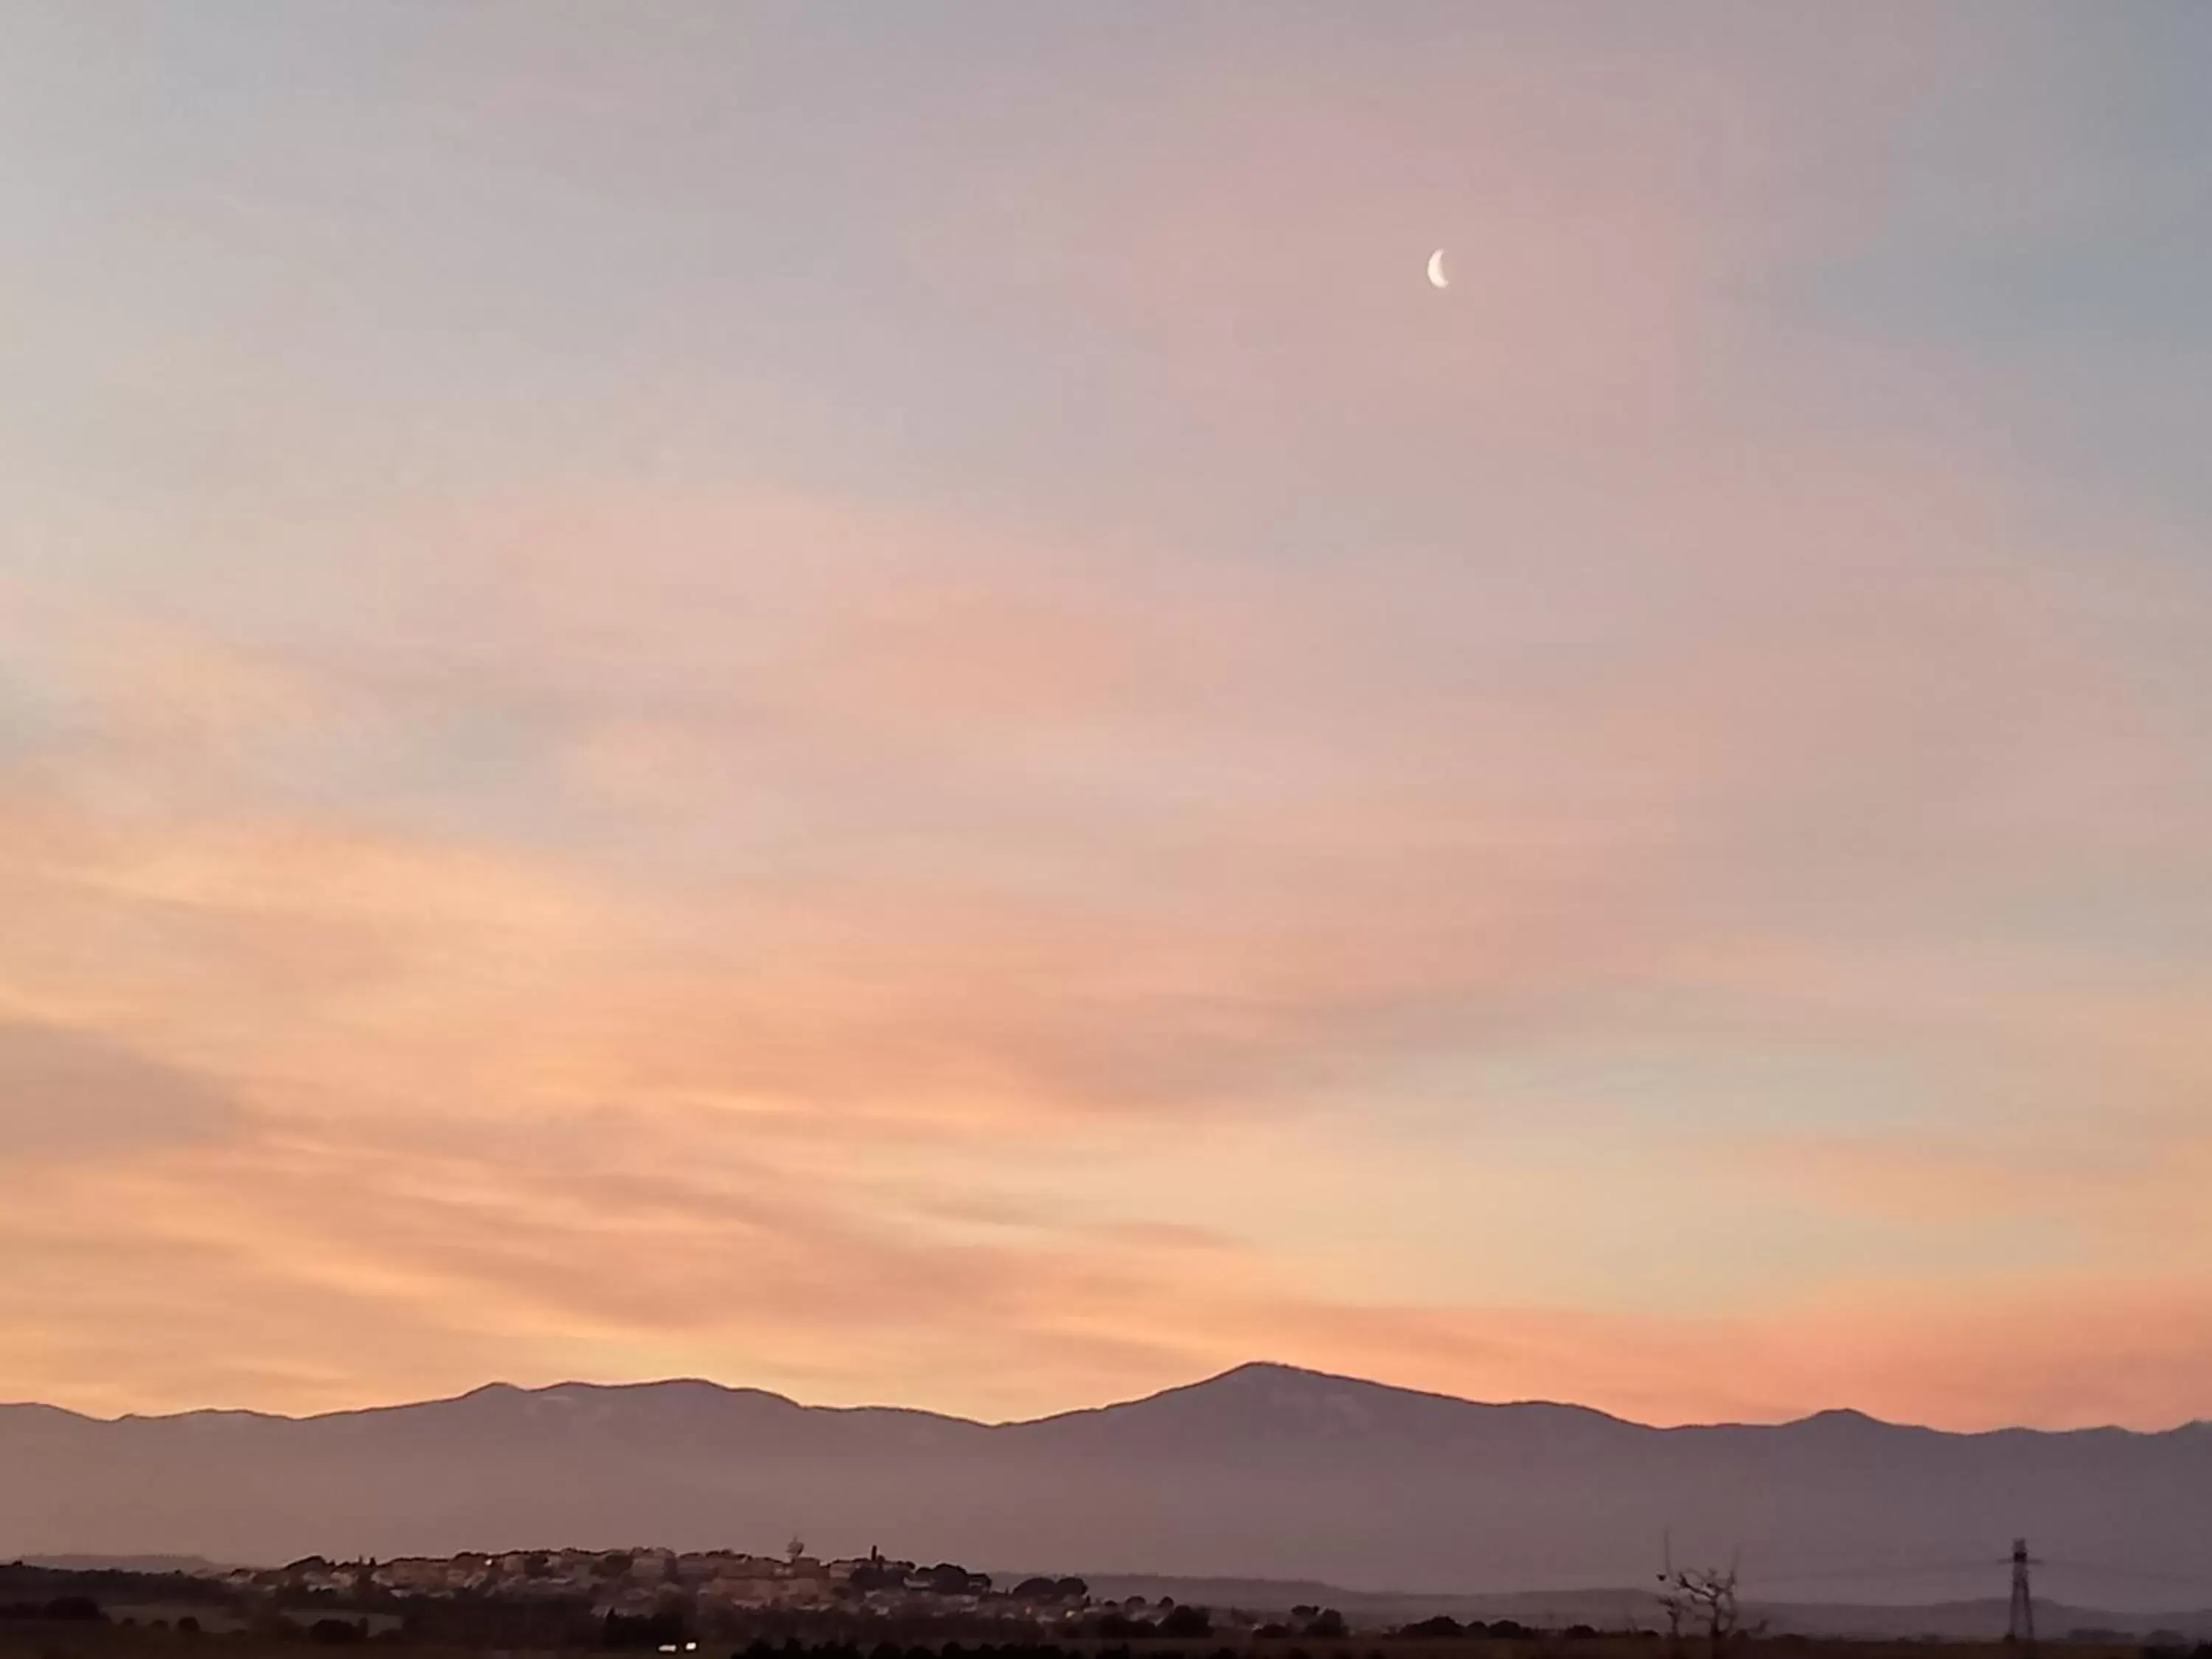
{"x":644,"y":1582}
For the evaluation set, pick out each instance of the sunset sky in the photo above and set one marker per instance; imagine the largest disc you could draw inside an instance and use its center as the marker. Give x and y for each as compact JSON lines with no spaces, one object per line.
{"x":873,"y":700}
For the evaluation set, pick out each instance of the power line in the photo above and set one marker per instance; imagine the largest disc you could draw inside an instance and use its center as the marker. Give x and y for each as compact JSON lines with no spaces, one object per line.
{"x":2201,"y":1579}
{"x":1887,"y":1570}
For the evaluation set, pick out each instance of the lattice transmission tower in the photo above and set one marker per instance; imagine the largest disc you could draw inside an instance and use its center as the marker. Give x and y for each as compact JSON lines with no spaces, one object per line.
{"x":2019,"y":1621}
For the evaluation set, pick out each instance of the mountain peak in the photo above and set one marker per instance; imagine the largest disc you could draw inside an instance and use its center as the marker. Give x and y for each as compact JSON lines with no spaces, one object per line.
{"x":1261,"y":1380}
{"x":1265,"y":1407}
{"x":1274,"y":1373}
{"x":1841,"y":1417}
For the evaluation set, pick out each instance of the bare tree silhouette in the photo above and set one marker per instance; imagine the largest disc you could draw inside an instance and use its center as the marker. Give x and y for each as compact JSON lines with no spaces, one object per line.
{"x":1705,"y":1596}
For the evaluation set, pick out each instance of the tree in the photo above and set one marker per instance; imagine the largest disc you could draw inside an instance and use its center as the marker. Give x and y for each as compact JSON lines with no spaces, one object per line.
{"x":1186,"y":1623}
{"x":1442,"y":1625}
{"x":1705,"y":1596}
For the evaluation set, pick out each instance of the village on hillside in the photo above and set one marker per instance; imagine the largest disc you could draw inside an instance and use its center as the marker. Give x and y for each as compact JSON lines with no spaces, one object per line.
{"x":646,"y":1583}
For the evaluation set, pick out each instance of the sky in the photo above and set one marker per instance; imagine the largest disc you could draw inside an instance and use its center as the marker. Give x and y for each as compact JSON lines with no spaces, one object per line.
{"x":874,"y":701}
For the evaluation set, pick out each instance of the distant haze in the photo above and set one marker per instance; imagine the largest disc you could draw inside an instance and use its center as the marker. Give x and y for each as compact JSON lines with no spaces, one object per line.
{"x":1264,"y":1472}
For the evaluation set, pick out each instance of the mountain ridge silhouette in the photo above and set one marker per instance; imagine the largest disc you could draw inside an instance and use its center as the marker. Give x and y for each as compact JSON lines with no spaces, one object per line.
{"x":1264,"y":1470}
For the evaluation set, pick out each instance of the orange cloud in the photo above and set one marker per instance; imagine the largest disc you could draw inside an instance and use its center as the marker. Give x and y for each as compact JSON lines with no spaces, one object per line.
{"x":903,"y":879}
{"x":557,"y":1248}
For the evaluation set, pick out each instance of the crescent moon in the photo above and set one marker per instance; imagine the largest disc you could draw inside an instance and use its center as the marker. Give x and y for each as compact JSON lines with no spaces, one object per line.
{"x":1436,"y":277}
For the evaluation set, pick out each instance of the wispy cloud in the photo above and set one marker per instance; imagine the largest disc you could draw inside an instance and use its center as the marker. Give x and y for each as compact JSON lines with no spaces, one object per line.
{"x":855,"y":756}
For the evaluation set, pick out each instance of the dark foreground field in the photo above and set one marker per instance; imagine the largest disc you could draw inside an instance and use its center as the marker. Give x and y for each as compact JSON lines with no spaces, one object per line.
{"x":74,"y":1639}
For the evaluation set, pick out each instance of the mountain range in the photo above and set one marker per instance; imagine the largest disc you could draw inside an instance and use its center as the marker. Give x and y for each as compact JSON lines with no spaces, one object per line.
{"x":1264,"y":1472}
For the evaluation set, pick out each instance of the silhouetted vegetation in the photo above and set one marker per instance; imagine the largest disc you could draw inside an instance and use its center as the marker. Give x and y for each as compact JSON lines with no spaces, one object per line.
{"x":20,"y":1584}
{"x":68,"y":1610}
{"x":1050,"y":1589}
{"x":61,"y":1613}
{"x":1703,"y":1596}
{"x":641,"y":1631}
